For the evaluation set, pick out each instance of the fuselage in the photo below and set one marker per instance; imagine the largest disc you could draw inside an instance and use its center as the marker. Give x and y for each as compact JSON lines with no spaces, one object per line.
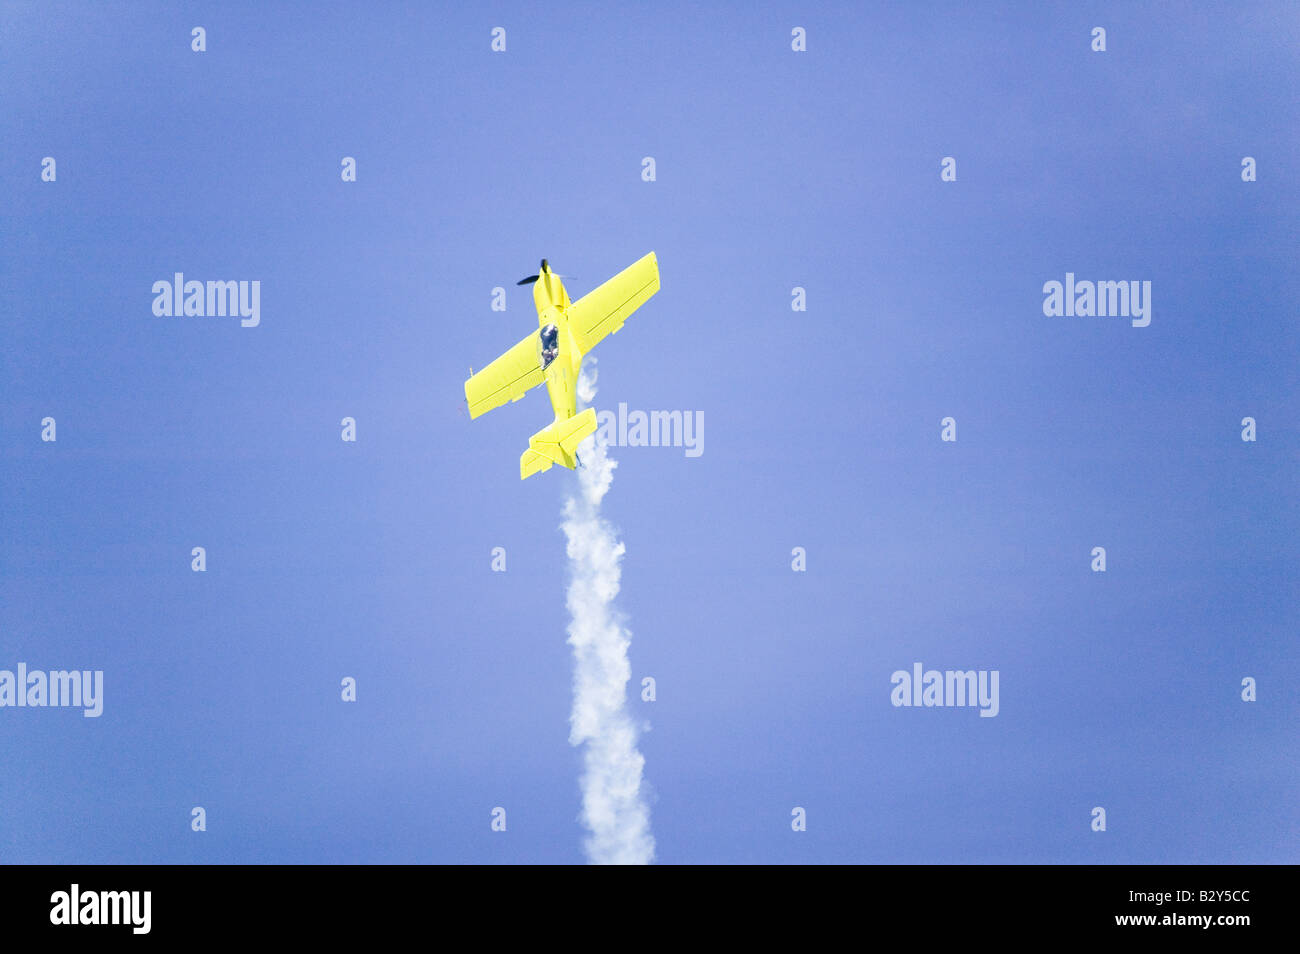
{"x":557,"y":350}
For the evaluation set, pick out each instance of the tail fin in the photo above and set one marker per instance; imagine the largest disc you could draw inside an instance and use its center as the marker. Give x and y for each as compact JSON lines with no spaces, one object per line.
{"x":557,"y":444}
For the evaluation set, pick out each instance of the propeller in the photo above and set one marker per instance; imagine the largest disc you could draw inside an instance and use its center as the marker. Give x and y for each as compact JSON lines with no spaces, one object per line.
{"x":545,"y":268}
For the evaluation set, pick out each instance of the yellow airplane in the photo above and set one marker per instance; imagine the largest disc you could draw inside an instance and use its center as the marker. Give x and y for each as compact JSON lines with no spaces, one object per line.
{"x":553,"y":354}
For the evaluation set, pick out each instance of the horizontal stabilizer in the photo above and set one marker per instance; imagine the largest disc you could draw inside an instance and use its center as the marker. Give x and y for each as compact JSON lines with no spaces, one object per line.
{"x":557,"y":444}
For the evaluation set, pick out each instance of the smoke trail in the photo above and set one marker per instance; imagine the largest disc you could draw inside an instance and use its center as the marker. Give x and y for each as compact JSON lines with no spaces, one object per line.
{"x":613,"y":805}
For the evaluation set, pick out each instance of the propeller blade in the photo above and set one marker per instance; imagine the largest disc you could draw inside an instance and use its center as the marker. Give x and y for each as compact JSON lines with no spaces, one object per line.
{"x":545,"y":268}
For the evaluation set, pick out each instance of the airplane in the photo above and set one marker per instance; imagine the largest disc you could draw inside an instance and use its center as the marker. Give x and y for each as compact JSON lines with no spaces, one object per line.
{"x":553,"y":354}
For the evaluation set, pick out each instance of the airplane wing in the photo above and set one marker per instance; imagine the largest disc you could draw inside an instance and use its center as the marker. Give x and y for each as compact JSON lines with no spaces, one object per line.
{"x":507,"y":378}
{"x":602,"y":311}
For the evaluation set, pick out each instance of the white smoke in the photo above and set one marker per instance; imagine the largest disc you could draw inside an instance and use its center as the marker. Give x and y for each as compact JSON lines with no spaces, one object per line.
{"x":614,"y":808}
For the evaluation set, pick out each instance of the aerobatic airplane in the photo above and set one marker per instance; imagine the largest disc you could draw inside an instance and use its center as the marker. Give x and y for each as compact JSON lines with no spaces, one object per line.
{"x":553,"y":354}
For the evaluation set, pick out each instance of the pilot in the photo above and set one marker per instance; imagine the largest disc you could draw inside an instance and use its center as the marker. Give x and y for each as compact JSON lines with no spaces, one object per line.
{"x":550,"y":344}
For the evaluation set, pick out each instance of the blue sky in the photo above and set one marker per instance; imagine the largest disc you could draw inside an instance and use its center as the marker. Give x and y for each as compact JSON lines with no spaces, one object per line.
{"x":774,"y":169}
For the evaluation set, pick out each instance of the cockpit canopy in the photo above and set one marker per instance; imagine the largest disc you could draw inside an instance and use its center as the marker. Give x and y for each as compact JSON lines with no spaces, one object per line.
{"x":548,"y":346}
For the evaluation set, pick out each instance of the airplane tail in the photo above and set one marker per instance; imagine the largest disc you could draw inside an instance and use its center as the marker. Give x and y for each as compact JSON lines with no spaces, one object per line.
{"x":557,"y":444}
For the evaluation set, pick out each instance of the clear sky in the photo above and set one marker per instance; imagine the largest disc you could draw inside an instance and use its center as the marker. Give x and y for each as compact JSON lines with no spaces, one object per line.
{"x":774,"y":169}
